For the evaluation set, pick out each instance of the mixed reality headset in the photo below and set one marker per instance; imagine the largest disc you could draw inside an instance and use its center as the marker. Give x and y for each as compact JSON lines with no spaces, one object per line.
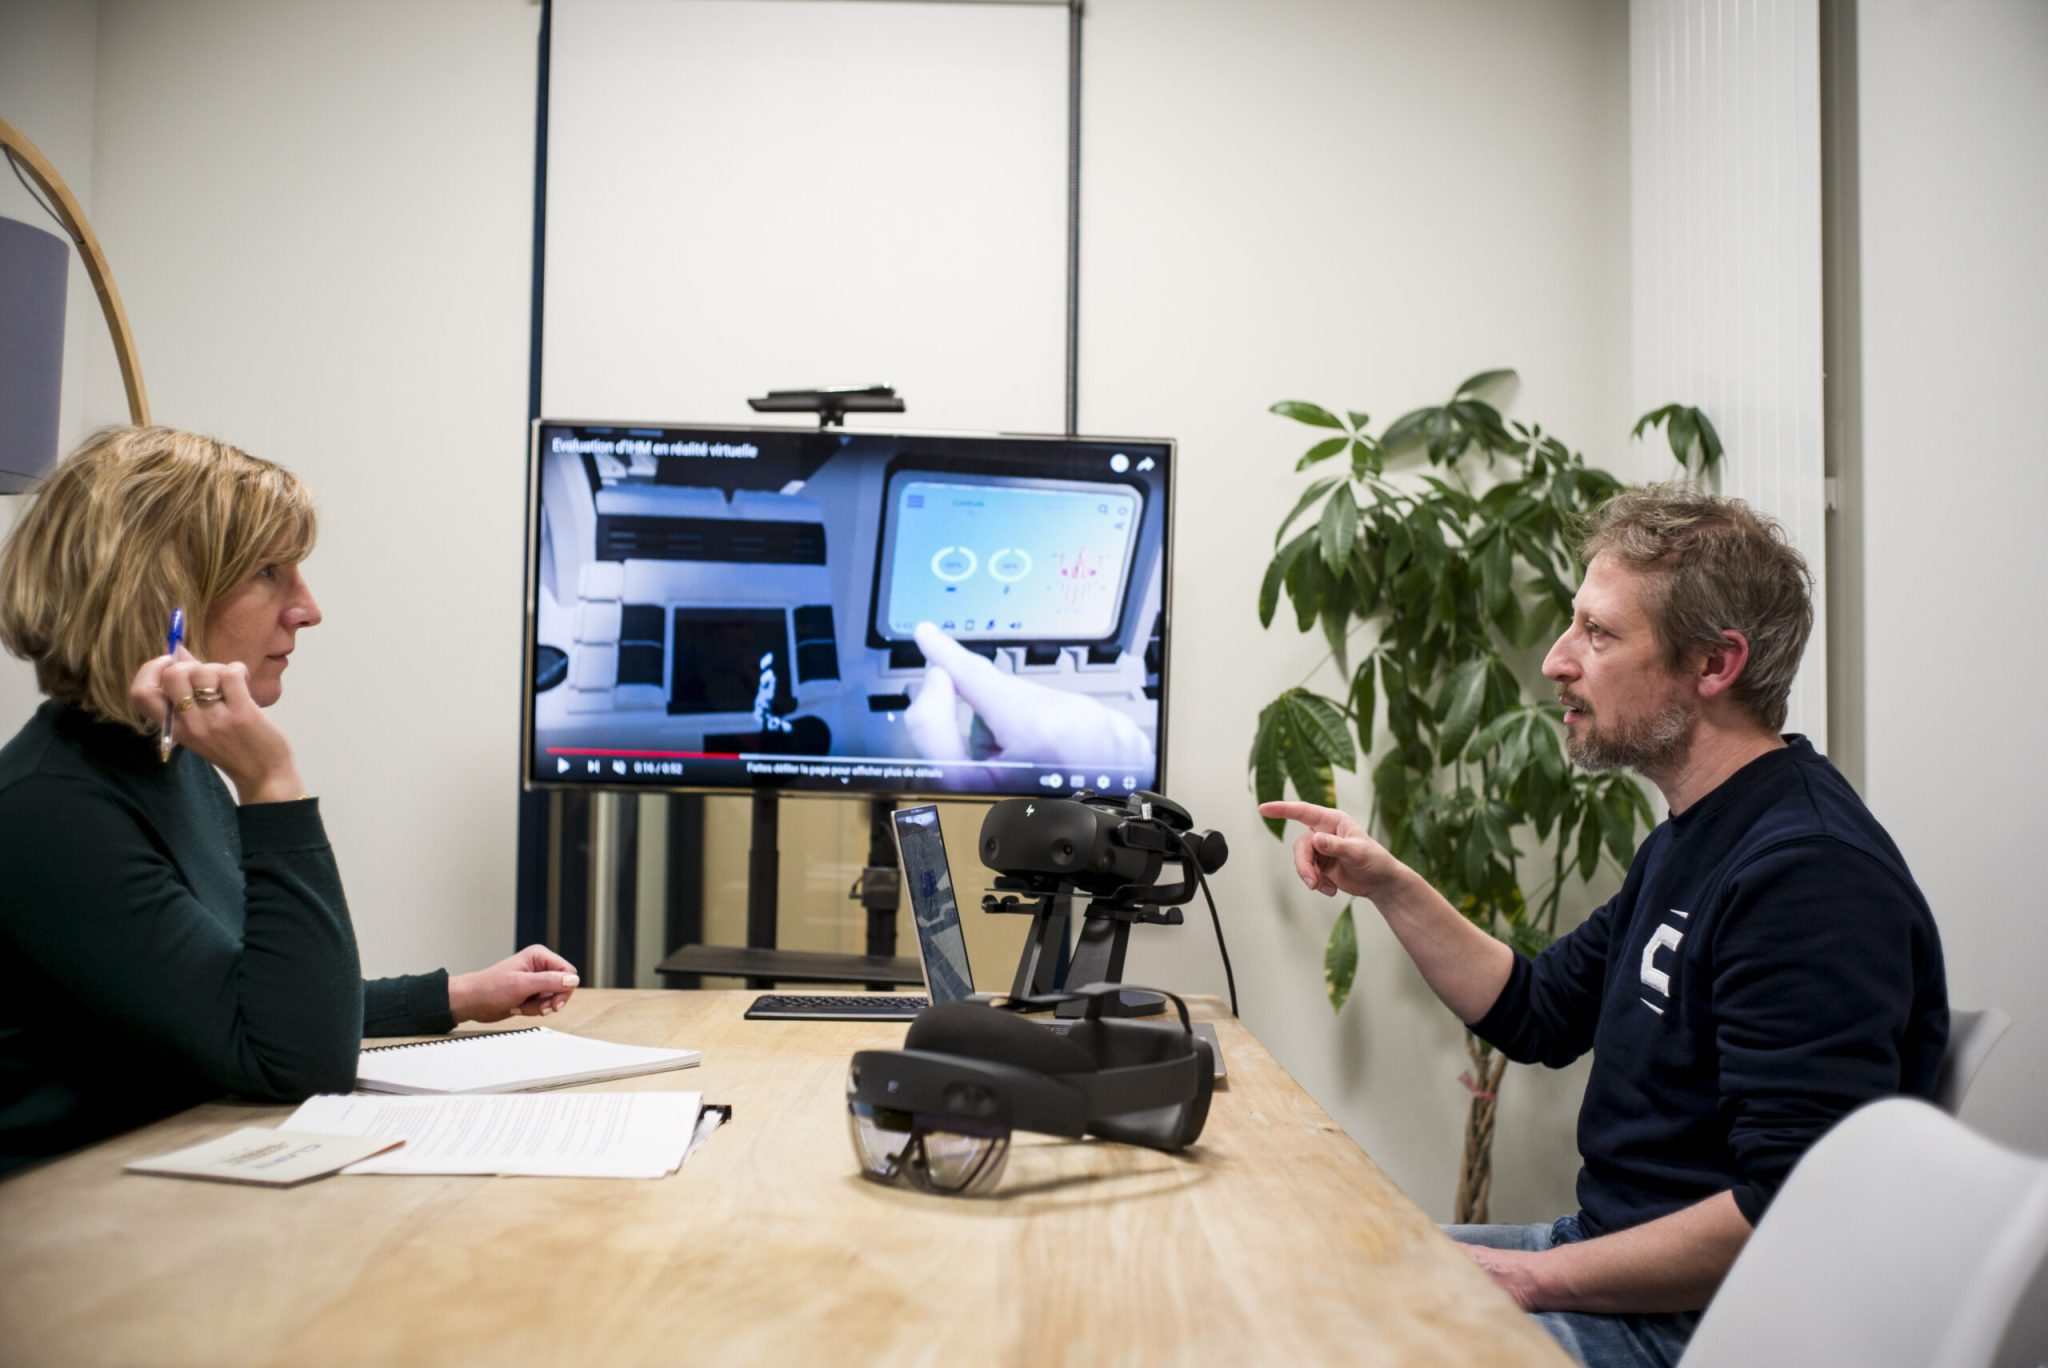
{"x":940,"y":1111}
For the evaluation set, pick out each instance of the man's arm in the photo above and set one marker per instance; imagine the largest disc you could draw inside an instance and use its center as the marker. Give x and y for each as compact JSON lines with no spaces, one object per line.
{"x":1673,"y":1263}
{"x":1464,"y":967}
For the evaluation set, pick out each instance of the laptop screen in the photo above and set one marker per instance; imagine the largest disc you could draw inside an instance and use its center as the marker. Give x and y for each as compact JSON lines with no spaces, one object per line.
{"x":928,"y":879}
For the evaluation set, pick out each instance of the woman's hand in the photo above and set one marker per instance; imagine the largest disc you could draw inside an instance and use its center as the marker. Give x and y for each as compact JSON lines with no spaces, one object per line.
{"x":213,"y":716}
{"x":534,"y":982}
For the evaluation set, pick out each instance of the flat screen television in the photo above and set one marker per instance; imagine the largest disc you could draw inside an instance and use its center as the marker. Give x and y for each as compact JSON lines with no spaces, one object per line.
{"x":740,"y":608}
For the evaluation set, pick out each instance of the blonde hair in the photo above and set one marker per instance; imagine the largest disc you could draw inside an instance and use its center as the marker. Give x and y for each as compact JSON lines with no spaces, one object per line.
{"x":133,"y":523}
{"x":1720,"y":566}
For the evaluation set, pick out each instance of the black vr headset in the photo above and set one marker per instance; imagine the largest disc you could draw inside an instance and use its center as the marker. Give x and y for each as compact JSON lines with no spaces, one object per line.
{"x":940,"y":1111}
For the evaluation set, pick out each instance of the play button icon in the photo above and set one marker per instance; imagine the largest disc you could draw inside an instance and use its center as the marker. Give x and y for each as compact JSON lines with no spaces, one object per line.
{"x":561,"y":765}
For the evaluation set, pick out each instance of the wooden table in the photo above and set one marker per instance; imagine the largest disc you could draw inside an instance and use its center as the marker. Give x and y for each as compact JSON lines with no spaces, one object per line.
{"x":1274,"y":1240}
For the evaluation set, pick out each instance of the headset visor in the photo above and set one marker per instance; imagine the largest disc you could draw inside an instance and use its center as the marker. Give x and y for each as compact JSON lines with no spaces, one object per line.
{"x":954,"y":1156}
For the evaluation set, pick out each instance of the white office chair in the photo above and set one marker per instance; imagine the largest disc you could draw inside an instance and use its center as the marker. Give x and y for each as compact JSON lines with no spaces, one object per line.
{"x":1970,"y":1038}
{"x":1902,"y":1240}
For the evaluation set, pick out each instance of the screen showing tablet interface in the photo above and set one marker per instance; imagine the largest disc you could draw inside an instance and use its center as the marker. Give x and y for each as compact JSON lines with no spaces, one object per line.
{"x":990,"y":559}
{"x":928,"y":880}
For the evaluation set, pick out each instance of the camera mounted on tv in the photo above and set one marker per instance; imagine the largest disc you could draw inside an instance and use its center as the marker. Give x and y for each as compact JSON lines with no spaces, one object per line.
{"x":1111,"y":849}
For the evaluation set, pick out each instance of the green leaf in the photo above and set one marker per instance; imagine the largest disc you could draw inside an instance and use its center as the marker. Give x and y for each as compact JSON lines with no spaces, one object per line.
{"x":1679,"y":431}
{"x":1654,"y":418}
{"x":1494,"y":822}
{"x":1276,"y":575}
{"x":1400,"y":544}
{"x":1313,"y":414}
{"x":1365,"y":458}
{"x":1710,"y":444}
{"x":1618,"y":820}
{"x":1439,"y":430}
{"x":1487,"y":740}
{"x":1400,"y":707}
{"x":1269,"y":589}
{"x":1358,"y":420}
{"x":1406,"y":429}
{"x":1495,"y":576}
{"x":1474,"y":852}
{"x":1339,"y":528}
{"x":1514,"y":751}
{"x":1298,"y":729}
{"x":1269,"y":779}
{"x":1589,"y":843}
{"x":1311,"y":777}
{"x":1322,"y":451}
{"x":1321,"y":723}
{"x":1307,"y":582}
{"x":1340,"y":959}
{"x":1484,"y":379}
{"x":1316,"y":490}
{"x":1337,"y":627}
{"x":1362,"y":705}
{"x":1458,"y":705}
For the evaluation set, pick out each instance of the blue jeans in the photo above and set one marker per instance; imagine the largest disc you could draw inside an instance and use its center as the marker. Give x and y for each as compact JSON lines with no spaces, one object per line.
{"x":1649,"y":1341}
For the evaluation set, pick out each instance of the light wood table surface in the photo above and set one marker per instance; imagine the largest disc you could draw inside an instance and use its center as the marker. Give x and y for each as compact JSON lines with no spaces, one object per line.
{"x":1273,"y":1240}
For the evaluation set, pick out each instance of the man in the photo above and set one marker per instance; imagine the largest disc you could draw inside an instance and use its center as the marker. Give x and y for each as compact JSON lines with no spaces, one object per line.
{"x":1768,"y":966}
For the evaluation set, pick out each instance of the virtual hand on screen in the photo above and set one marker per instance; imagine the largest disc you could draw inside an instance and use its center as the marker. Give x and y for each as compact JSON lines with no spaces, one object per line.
{"x":1028,"y":720}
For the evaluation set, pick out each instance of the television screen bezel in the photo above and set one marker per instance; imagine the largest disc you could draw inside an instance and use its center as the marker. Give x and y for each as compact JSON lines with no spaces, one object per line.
{"x":529,"y":630}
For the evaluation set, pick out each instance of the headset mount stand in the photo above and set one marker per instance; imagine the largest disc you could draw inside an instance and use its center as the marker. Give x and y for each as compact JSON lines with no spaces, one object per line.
{"x":1099,"y":958}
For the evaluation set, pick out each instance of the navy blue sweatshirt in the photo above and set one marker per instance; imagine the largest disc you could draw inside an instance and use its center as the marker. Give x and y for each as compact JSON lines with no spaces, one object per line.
{"x":1768,"y":966}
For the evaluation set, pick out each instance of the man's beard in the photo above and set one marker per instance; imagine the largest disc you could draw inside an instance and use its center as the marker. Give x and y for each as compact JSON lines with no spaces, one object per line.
{"x":1652,"y":744}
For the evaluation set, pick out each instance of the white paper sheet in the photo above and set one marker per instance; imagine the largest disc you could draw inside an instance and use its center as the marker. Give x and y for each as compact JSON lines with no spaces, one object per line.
{"x":558,"y":1135}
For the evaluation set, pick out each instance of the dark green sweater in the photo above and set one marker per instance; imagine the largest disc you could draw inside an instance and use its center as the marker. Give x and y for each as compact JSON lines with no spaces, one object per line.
{"x":164,"y":946}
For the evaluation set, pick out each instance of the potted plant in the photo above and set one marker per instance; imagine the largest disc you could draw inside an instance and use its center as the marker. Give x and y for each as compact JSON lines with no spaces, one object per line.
{"x":1439,"y":561}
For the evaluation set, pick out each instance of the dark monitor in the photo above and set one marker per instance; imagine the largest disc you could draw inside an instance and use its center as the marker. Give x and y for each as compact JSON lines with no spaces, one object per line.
{"x":733,"y":608}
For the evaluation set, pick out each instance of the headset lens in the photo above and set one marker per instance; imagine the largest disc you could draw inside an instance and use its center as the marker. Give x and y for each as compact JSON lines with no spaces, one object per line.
{"x":893,"y":1144}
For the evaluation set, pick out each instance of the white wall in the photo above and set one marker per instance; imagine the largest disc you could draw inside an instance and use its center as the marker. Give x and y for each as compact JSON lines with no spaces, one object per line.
{"x":1954,"y":132}
{"x":1358,"y":205}
{"x":1725,"y":201}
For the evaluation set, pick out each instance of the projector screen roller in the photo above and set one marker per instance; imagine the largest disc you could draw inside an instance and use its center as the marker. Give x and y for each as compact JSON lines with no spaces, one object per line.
{"x":731,"y":608}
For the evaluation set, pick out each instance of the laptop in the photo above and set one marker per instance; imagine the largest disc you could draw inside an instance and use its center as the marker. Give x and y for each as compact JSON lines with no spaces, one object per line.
{"x":941,"y":947}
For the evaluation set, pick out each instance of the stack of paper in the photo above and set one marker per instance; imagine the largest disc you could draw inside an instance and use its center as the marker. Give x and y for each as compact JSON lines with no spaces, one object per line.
{"x":508,"y":1061}
{"x":560,"y":1135}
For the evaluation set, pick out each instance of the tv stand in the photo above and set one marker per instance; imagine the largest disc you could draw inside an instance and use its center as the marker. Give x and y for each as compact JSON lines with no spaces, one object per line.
{"x":762,"y":963}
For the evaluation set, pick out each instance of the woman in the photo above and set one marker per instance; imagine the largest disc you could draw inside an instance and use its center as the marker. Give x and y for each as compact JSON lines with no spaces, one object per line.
{"x":167,"y":940}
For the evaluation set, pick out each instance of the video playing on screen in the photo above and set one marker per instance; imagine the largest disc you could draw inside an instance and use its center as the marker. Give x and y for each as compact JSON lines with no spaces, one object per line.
{"x":744,"y":607}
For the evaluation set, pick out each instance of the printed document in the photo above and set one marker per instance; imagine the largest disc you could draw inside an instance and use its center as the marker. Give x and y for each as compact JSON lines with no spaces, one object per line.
{"x":549,"y":1135}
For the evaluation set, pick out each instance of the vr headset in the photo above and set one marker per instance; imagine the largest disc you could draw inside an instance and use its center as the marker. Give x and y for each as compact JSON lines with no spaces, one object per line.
{"x":939,"y":1112}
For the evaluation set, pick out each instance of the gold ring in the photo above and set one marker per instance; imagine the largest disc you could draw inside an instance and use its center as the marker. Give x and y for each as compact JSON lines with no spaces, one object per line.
{"x":207,"y":694}
{"x":186,"y":702}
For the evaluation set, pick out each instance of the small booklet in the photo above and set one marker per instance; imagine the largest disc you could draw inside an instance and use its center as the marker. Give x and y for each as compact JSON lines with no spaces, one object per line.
{"x":508,"y":1061}
{"x":562,"y":1135}
{"x":271,"y":1158}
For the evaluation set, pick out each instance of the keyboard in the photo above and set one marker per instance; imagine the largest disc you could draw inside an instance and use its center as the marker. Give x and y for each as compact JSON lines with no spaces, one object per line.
{"x":837,"y":1006}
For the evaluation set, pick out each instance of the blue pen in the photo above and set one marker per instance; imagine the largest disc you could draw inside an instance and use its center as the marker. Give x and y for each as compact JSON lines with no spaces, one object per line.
{"x":176,"y":639}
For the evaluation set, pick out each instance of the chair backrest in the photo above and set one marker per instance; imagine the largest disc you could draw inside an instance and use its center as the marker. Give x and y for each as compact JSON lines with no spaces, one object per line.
{"x":1901,"y":1240}
{"x":1970,"y":1038}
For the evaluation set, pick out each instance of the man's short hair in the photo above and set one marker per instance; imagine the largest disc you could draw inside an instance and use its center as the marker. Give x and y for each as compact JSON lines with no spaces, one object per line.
{"x":1719,"y":566}
{"x":133,"y":523}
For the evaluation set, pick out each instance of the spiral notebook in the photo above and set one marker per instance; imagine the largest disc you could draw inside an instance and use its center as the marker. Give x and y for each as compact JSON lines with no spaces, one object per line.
{"x":508,"y":1061}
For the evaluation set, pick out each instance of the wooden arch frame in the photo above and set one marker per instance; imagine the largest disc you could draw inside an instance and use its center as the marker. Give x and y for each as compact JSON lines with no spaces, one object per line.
{"x":29,"y":158}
